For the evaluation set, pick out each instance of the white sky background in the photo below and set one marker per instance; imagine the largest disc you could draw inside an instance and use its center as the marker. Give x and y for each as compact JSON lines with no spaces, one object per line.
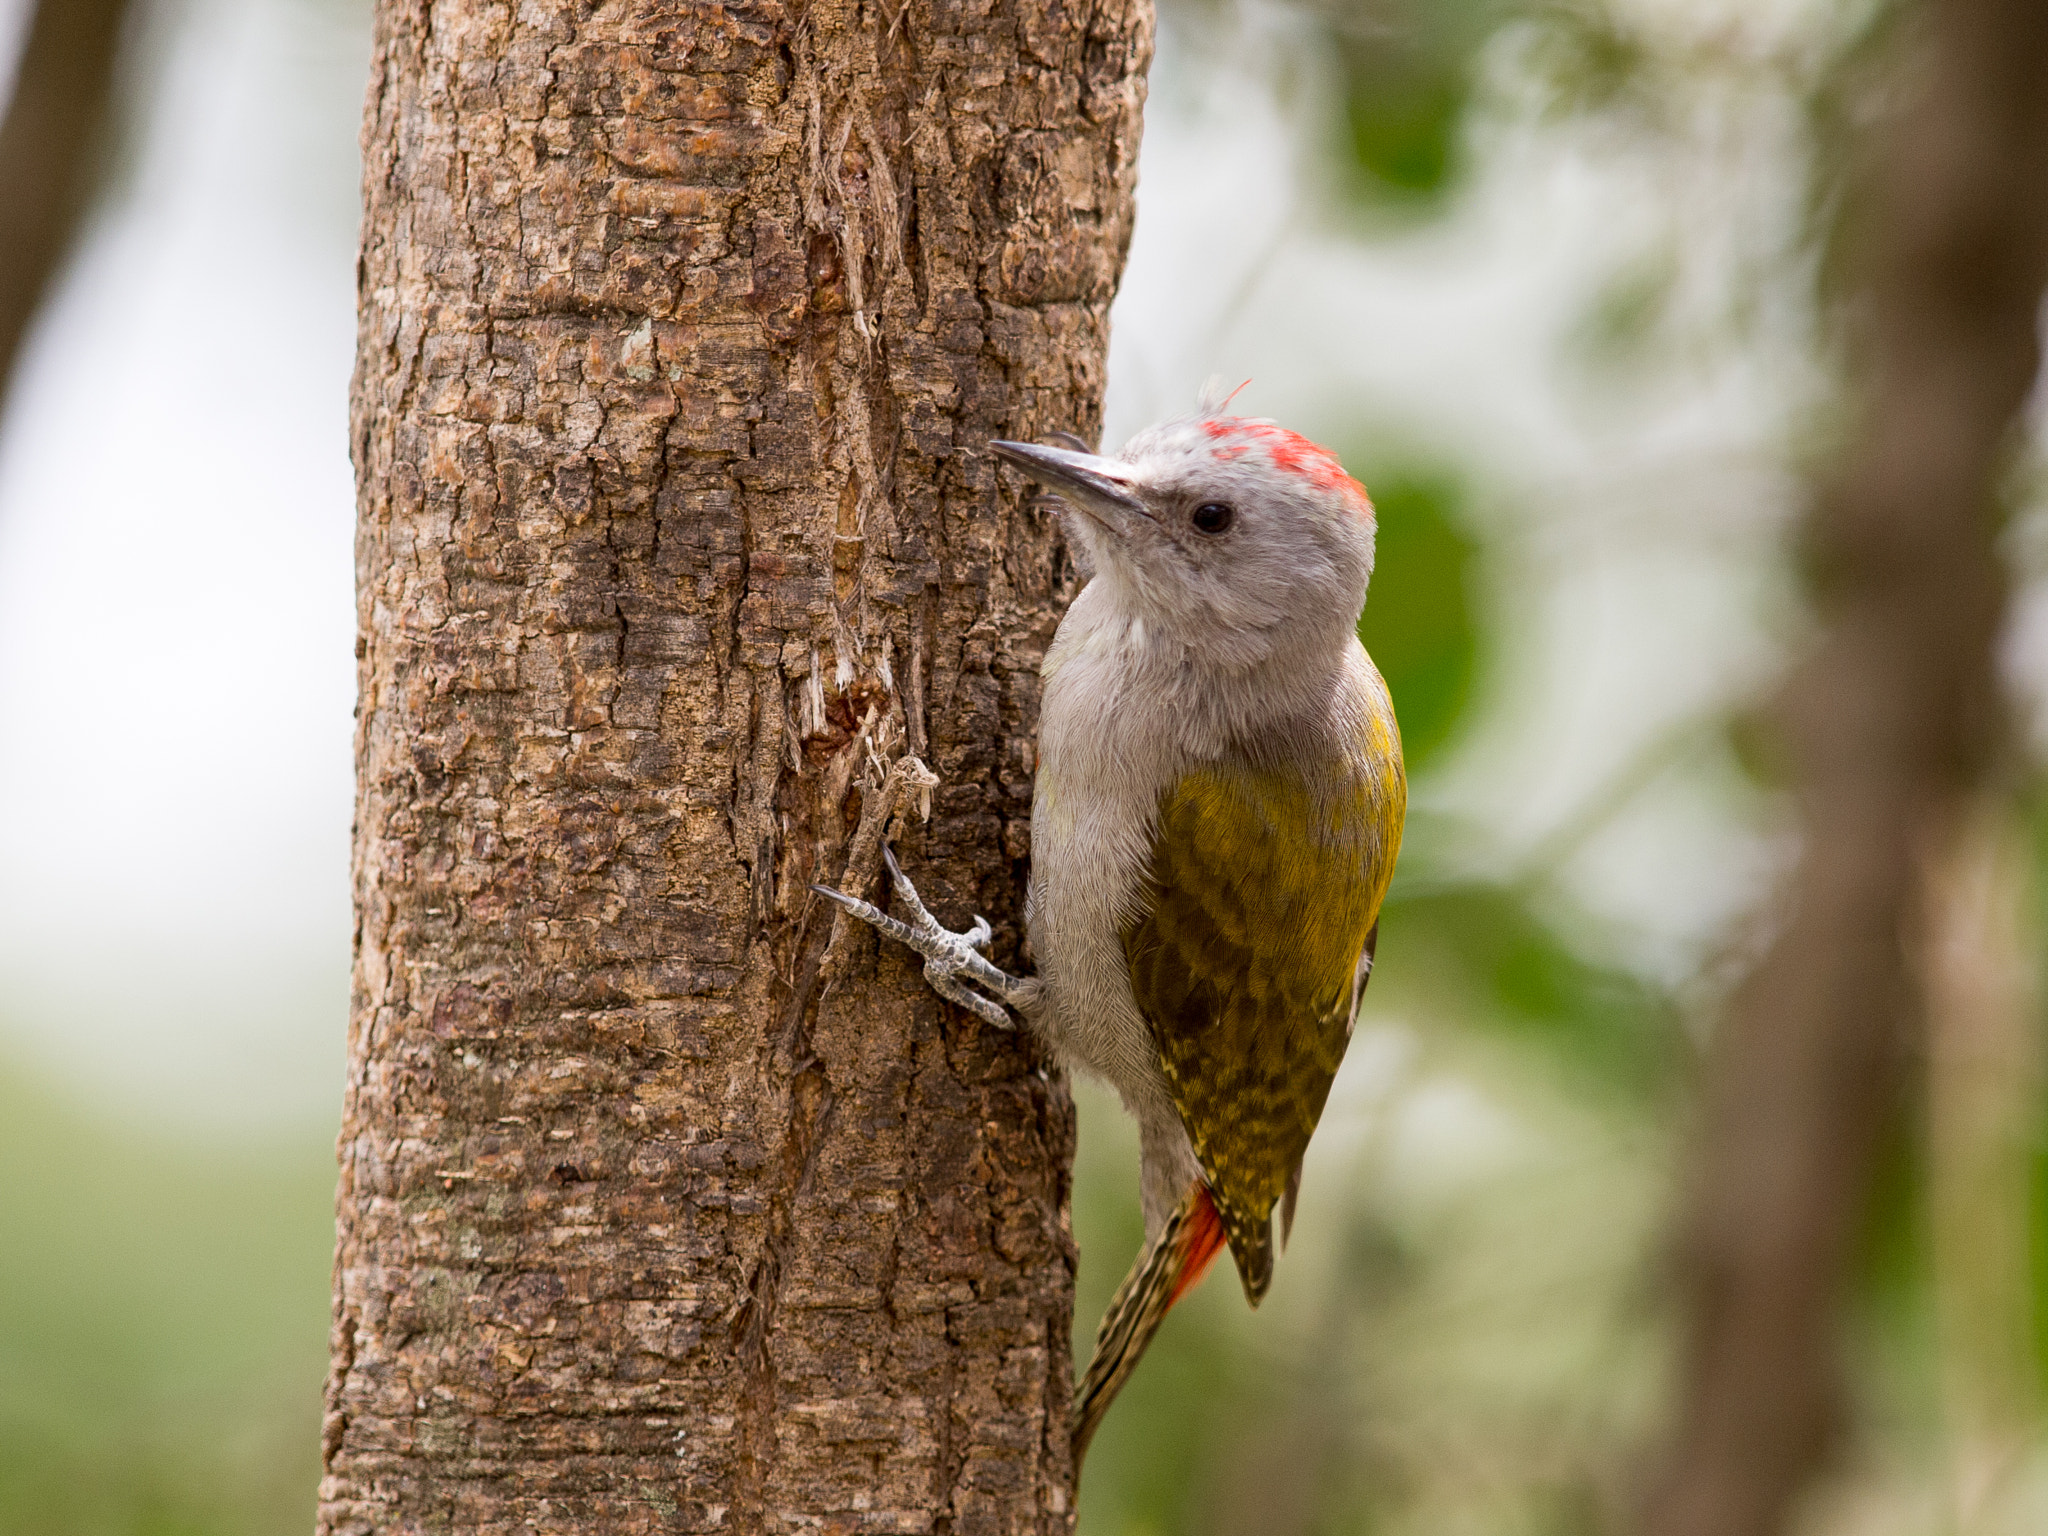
{"x":176,"y":621}
{"x":176,"y":617}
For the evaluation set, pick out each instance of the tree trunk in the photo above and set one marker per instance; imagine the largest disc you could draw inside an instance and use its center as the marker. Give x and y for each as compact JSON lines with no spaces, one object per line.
{"x":1890,"y":724}
{"x":683,"y":330}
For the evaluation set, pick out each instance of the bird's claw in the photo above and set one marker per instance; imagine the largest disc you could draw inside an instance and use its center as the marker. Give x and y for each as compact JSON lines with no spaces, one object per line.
{"x":948,"y":957}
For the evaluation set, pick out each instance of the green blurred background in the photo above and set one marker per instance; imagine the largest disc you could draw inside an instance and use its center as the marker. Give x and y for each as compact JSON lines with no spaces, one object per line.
{"x":1546,"y":276}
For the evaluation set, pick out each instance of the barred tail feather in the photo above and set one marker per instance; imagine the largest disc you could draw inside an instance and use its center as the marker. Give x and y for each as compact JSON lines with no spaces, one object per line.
{"x":1167,"y":1270}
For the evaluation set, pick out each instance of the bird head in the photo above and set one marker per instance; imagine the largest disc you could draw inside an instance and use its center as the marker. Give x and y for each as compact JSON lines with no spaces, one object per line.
{"x":1228,"y":535}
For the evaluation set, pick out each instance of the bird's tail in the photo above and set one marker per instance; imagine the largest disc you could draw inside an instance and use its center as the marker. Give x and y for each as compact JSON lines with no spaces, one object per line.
{"x":1167,"y":1270}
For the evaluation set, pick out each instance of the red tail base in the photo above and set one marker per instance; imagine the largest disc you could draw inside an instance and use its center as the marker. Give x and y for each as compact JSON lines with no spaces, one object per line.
{"x":1200,"y":1241}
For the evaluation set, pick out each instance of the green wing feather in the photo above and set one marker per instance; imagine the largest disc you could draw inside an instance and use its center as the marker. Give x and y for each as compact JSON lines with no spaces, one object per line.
{"x":1266,"y":886}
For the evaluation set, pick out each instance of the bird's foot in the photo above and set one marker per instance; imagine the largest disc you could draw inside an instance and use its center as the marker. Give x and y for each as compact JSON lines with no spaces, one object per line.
{"x":951,"y":959}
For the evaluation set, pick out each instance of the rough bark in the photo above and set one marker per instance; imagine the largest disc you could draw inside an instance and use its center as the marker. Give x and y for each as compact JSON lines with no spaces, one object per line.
{"x":54,"y":124}
{"x":683,"y":328}
{"x":1889,"y":723}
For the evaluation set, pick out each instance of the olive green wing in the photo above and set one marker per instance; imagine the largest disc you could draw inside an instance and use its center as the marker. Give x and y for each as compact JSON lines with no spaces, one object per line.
{"x":1266,"y":889}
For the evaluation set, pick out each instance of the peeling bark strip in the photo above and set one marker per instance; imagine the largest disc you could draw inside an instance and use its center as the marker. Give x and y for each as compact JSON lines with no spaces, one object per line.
{"x":683,"y":327}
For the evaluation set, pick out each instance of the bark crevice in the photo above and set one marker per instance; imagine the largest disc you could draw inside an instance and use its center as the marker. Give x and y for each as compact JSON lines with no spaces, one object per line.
{"x":669,"y":442}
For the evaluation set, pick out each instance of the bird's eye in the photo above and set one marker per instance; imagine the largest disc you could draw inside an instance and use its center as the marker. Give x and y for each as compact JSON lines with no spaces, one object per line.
{"x":1213,"y":517}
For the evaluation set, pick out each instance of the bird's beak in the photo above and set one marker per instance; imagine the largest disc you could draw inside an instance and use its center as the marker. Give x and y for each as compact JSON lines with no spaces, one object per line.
{"x":1099,"y":487}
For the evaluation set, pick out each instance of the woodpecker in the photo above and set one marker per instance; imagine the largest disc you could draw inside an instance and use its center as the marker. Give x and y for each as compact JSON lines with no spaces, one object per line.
{"x":1217,"y":810}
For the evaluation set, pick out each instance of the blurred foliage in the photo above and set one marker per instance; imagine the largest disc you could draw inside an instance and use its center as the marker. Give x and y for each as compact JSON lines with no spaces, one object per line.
{"x":1893,"y":1294}
{"x":2037,"y":1242}
{"x":1586,"y":54}
{"x":1520,"y":975}
{"x":1405,"y":75}
{"x":1418,"y":623}
{"x":1627,"y":312}
{"x":163,"y":1327}
{"x":2035,"y":807}
{"x":1409,"y":76}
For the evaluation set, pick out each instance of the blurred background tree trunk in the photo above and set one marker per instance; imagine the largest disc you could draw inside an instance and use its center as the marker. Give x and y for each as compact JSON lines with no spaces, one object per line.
{"x":1891,"y":724}
{"x":681,"y":335}
{"x":53,"y":128}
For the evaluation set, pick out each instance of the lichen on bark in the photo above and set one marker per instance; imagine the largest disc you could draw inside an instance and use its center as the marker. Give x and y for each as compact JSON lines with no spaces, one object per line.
{"x":683,"y":328}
